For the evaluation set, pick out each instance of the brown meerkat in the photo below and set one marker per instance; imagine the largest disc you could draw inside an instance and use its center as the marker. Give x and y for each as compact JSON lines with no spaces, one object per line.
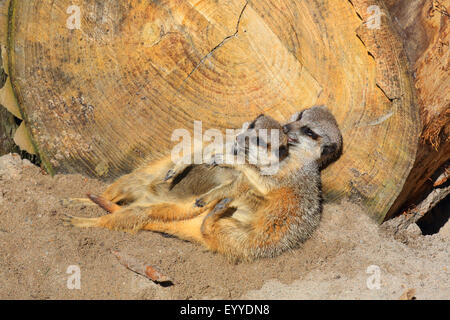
{"x":246,"y":228}
{"x":262,"y":217}
{"x":145,"y":193}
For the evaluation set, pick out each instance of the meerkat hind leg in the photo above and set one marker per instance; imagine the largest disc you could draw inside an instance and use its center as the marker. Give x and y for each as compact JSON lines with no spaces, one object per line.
{"x":124,"y":220}
{"x":79,"y":222}
{"x":183,"y":229}
{"x":216,"y":193}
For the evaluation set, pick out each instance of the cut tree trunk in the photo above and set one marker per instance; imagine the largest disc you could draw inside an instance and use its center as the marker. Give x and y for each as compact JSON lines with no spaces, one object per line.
{"x":7,"y":123}
{"x":101,"y":98}
{"x":425,"y":29}
{"x":7,"y":130}
{"x":13,"y":137}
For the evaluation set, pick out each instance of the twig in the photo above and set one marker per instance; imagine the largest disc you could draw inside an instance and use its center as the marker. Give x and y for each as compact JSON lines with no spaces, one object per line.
{"x":411,"y":216}
{"x":442,"y":178}
{"x":431,"y":201}
{"x":142,"y":268}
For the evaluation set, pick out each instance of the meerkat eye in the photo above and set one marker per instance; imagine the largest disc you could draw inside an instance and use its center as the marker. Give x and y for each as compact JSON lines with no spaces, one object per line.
{"x":307,"y":131}
{"x":252,"y":125}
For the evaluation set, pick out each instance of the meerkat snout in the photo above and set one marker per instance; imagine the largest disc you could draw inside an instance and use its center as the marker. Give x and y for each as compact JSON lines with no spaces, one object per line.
{"x":265,"y":135}
{"x":315,"y":128}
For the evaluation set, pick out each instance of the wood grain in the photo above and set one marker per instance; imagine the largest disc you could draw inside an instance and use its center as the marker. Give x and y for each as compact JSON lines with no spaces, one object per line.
{"x":101,"y":99}
{"x":425,"y":26}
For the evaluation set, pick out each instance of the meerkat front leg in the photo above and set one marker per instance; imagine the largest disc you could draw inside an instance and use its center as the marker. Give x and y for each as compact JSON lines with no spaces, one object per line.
{"x":179,"y":167}
{"x":214,"y":215}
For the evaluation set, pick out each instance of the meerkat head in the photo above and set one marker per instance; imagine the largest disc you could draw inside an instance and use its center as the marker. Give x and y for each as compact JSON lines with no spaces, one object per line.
{"x":316,"y":134}
{"x":263,"y":142}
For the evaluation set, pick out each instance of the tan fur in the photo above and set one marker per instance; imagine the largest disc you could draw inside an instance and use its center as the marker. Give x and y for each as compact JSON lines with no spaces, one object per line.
{"x":246,"y":215}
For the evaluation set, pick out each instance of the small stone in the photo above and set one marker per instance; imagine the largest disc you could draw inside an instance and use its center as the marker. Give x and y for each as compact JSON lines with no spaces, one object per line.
{"x":414,"y":230}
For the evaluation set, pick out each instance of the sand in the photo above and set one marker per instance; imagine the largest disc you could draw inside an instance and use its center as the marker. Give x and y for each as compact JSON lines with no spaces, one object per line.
{"x":36,"y":250}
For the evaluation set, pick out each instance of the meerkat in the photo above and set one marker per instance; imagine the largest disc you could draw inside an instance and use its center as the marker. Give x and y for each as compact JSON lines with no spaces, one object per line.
{"x":263,"y":134}
{"x":246,"y":228}
{"x":147,"y":194}
{"x":262,"y":217}
{"x":325,"y":124}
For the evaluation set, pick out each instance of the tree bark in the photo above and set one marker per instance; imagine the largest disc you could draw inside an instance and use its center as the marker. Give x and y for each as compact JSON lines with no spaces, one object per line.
{"x":425,"y":30}
{"x":7,"y":130}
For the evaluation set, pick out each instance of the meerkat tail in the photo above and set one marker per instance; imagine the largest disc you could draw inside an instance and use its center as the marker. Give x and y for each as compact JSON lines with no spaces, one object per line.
{"x":103,"y":203}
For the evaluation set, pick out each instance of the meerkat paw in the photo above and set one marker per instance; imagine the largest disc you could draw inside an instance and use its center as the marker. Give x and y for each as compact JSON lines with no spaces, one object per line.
{"x":203,"y":201}
{"x":80,"y":222}
{"x":175,"y":170}
{"x":214,"y":215}
{"x":199,"y":203}
{"x":221,"y":205}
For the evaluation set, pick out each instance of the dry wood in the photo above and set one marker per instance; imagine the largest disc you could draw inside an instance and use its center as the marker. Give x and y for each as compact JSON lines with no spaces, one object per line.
{"x":7,"y":98}
{"x":100,"y":99}
{"x":425,"y":29}
{"x":430,"y":201}
{"x":412,"y":215}
{"x":143,"y":269}
{"x":442,"y":178}
{"x":7,"y":129}
{"x":22,"y":139}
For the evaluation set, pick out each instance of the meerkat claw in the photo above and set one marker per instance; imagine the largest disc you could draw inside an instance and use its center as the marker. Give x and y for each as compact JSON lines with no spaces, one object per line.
{"x":67,"y":220}
{"x":79,"y":222}
{"x":170,"y":174}
{"x":199,"y":203}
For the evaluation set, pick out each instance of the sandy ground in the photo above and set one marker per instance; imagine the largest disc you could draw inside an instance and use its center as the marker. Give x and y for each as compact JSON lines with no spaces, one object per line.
{"x":36,"y":249}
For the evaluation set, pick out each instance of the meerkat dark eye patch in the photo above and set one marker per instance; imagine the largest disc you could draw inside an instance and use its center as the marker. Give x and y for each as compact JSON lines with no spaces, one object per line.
{"x":282,"y":152}
{"x":307,"y":131}
{"x":299,"y":117}
{"x":252,"y":125}
{"x":329,"y":149}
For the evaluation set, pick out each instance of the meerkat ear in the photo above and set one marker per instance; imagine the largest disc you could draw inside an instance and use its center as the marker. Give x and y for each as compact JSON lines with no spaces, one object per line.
{"x":329,"y":149}
{"x":296,"y":116}
{"x":261,"y":115}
